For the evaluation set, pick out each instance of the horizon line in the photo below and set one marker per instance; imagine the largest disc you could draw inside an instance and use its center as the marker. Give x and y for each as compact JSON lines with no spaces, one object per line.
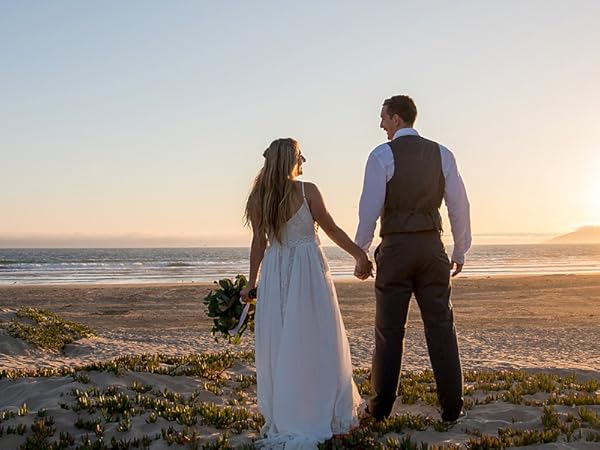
{"x":140,"y":241}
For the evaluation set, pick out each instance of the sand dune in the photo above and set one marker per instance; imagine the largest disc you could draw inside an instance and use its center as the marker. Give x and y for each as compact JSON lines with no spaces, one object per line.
{"x":546,"y":326}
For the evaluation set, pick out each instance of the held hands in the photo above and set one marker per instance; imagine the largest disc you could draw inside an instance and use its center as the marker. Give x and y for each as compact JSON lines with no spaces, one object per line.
{"x":363,"y":268}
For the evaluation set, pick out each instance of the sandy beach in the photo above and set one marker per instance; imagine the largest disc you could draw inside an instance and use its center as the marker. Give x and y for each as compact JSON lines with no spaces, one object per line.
{"x":540,"y":324}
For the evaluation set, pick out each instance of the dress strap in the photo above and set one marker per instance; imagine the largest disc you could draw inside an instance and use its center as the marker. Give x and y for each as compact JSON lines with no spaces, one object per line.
{"x":302,"y":184}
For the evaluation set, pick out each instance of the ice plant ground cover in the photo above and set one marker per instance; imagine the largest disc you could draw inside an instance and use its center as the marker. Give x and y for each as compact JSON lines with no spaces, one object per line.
{"x":209,"y":401}
{"x":45,"y":329}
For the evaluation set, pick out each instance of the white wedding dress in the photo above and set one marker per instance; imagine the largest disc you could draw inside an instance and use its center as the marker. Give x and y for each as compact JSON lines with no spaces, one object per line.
{"x":304,"y":373}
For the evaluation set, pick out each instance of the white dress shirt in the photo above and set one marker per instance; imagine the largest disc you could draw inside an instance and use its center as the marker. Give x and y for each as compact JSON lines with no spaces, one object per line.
{"x":380,"y":169}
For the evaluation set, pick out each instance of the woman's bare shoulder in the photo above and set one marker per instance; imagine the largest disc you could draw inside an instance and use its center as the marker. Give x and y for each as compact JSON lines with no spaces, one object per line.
{"x":310,"y":188}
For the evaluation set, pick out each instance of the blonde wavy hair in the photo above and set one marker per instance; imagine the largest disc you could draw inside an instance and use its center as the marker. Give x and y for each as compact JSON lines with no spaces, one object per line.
{"x":271,"y":198}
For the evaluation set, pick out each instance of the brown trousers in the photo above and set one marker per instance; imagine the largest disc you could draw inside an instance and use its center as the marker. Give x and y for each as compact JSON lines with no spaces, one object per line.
{"x":416,"y":263}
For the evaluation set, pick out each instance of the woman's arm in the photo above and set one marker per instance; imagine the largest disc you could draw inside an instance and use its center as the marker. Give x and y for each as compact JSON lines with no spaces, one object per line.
{"x":257,"y":252}
{"x":337,"y":235}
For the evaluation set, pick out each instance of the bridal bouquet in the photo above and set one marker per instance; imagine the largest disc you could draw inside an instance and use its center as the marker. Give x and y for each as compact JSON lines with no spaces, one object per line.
{"x":230,"y":316}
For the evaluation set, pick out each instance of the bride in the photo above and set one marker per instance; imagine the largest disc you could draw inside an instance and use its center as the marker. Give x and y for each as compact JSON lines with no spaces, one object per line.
{"x":305,"y":388}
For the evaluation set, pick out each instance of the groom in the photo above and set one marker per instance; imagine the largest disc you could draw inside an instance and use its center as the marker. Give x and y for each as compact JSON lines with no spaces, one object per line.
{"x":405,"y":182}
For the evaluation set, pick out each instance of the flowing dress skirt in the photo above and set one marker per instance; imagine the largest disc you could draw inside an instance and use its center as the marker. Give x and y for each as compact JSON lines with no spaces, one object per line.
{"x":305,"y":388}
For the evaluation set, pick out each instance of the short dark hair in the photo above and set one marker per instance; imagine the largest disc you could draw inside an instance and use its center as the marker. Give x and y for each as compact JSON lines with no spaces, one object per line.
{"x":402,"y":105}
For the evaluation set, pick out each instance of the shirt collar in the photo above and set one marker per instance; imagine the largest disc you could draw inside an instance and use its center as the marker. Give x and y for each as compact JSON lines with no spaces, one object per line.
{"x":406,"y":132}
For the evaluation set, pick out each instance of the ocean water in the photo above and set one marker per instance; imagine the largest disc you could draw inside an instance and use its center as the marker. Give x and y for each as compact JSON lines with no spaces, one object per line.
{"x":147,"y":265}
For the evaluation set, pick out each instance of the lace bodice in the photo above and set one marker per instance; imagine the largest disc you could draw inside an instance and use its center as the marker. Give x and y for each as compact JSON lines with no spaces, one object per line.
{"x":300,"y":229}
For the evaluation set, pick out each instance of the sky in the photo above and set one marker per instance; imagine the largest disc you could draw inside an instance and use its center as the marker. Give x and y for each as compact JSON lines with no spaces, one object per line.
{"x":145,"y":121}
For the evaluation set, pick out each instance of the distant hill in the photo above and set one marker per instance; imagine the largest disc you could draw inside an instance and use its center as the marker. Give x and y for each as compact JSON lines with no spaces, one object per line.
{"x":583,"y":235}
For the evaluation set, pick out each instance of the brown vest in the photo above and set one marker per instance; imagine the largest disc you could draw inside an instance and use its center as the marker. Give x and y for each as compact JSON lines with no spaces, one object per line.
{"x":414,"y":194}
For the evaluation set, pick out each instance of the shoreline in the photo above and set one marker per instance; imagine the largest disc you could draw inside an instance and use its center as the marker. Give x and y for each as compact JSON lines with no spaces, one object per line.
{"x":336,"y":280}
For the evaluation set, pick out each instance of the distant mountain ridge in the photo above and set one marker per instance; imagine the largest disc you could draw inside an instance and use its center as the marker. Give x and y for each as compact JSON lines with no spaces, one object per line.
{"x":583,"y":235}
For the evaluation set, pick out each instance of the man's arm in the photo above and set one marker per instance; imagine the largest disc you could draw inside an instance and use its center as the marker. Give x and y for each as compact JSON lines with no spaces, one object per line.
{"x":371,"y":202}
{"x":455,"y":196}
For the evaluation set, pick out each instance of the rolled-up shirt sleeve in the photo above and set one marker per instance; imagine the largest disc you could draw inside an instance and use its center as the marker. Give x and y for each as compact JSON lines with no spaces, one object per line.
{"x":371,"y":201}
{"x":457,"y":202}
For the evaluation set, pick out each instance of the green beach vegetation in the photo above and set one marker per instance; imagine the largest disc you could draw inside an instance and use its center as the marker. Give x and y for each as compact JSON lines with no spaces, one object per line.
{"x":46,"y":330}
{"x":108,"y":416}
{"x":112,"y":416}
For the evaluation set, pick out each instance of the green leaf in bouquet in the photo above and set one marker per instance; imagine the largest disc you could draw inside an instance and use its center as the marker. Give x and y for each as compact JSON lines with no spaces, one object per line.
{"x":224,"y":307}
{"x":227,"y":322}
{"x":208,"y":298}
{"x":233,"y":301}
{"x":226,"y":283}
{"x":213,"y":310}
{"x":222,"y":304}
{"x":240,"y":282}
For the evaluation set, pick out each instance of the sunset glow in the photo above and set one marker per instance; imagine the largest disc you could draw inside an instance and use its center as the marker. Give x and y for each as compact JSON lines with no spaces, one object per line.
{"x":151,"y":119}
